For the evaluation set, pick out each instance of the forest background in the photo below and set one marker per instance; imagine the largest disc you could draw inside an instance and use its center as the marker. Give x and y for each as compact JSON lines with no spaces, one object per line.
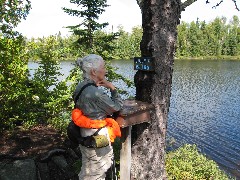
{"x":196,"y":40}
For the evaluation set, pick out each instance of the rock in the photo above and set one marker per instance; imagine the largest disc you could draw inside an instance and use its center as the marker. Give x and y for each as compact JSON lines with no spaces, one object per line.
{"x":52,"y":153}
{"x":57,"y":164}
{"x":60,"y":161}
{"x":72,"y":153}
{"x":19,"y":170}
{"x":43,"y":171}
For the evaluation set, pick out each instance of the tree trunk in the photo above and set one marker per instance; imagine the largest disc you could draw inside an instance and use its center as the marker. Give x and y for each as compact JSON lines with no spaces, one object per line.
{"x":159,"y":21}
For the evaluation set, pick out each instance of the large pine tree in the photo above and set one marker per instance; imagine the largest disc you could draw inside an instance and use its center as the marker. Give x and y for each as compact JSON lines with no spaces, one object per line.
{"x":90,"y":35}
{"x":88,"y":12}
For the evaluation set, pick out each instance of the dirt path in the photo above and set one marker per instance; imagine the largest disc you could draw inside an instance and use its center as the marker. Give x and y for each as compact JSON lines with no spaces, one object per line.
{"x":29,"y":143}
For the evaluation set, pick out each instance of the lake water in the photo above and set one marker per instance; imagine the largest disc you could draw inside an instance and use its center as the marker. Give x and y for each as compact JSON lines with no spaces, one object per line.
{"x":204,"y":107}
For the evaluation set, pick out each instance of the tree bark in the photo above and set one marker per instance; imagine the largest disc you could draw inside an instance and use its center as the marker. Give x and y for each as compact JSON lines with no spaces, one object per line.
{"x":159,"y":22}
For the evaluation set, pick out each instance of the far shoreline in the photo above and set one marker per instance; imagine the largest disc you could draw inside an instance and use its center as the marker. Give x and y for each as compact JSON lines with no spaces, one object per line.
{"x":209,"y":58}
{"x":182,"y":58}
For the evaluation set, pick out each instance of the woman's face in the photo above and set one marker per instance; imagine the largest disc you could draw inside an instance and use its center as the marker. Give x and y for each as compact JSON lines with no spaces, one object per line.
{"x":101,"y":72}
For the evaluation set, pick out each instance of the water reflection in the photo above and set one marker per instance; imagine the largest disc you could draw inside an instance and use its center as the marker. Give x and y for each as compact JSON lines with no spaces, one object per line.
{"x":205,"y":109}
{"x":125,"y":68}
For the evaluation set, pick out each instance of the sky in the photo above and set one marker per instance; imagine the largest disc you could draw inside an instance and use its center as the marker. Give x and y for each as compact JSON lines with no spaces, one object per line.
{"x":47,"y":17}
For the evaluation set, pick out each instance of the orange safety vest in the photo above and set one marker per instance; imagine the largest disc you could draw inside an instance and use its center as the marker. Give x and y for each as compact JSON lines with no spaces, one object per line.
{"x":82,"y":121}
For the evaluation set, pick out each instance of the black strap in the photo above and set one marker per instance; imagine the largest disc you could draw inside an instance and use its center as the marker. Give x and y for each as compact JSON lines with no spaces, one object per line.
{"x":96,"y":133}
{"x":77,"y":97}
{"x":80,"y":92}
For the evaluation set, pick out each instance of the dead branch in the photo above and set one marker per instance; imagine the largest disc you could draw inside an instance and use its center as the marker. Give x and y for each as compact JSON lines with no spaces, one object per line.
{"x":236,"y":6}
{"x":186,"y":4}
{"x":218,"y":4}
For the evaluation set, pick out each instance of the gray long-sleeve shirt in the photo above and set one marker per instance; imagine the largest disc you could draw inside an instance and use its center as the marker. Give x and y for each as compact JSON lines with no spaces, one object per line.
{"x":95,"y":103}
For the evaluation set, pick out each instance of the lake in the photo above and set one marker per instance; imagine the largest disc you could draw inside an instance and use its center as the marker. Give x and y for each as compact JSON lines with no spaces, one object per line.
{"x":204,"y":107}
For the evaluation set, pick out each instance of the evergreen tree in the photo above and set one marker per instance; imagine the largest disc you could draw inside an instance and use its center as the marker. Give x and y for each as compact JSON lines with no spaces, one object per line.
{"x":193,"y":39}
{"x":182,"y":42}
{"x":89,"y":11}
{"x":233,"y":40}
{"x":218,"y":26}
{"x":135,"y":40}
{"x":90,"y":37}
{"x":122,"y":45}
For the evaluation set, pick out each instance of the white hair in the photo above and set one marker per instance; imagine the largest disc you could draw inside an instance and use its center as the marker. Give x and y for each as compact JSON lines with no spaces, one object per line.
{"x":89,"y":62}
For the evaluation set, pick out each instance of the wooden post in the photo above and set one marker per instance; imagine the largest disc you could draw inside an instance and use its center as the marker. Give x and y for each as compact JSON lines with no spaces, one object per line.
{"x":125,"y":154}
{"x":133,"y":112}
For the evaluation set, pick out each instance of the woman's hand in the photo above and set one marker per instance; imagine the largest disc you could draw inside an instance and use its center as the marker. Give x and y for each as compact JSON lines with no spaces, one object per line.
{"x":106,"y":84}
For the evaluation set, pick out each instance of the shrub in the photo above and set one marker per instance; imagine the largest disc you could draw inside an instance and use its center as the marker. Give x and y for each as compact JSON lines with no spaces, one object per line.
{"x":53,"y":96}
{"x":186,"y":163}
{"x":15,"y":93}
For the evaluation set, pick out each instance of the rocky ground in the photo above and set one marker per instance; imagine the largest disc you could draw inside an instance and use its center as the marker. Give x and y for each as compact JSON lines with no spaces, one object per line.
{"x":40,"y":153}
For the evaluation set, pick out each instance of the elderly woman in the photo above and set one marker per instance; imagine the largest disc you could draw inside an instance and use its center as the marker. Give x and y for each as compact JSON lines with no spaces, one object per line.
{"x":95,"y":104}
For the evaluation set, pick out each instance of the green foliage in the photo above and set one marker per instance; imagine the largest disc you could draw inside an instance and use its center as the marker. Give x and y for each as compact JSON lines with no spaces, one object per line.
{"x":91,"y":38}
{"x":195,"y":39}
{"x":30,"y":101}
{"x":11,"y":14}
{"x":103,"y":44}
{"x":112,"y":76}
{"x":216,"y":38}
{"x":116,"y":151}
{"x":15,"y":98}
{"x":44,"y":99}
{"x":52,"y":99}
{"x":77,"y":166}
{"x":60,"y":121}
{"x":128,"y":44}
{"x":66,"y":48}
{"x":186,"y":163}
{"x":53,"y":96}
{"x":182,"y":40}
{"x":89,"y":12}
{"x":15,"y":94}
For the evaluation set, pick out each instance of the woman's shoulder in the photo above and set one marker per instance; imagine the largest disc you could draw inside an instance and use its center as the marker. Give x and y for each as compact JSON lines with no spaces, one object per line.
{"x":90,"y":89}
{"x":85,"y":83}
{"x":95,"y":91}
